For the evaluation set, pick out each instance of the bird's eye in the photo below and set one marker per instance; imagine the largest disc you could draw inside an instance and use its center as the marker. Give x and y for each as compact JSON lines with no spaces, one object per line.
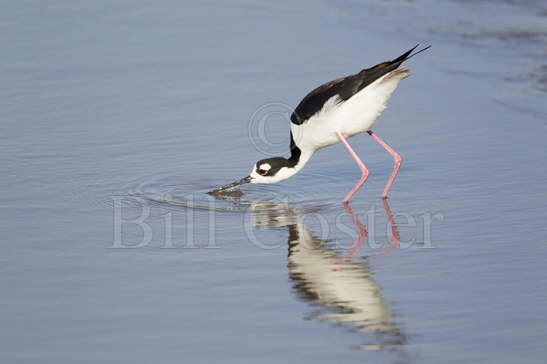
{"x":262,"y":172}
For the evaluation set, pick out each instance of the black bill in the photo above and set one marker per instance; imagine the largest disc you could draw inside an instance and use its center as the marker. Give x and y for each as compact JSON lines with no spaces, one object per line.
{"x":230,"y":186}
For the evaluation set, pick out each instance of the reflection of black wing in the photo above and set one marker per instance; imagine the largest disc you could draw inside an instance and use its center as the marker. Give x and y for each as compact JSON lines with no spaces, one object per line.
{"x":344,"y":87}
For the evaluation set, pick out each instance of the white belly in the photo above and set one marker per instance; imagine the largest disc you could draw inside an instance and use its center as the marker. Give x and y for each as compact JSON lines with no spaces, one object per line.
{"x":353,"y":116}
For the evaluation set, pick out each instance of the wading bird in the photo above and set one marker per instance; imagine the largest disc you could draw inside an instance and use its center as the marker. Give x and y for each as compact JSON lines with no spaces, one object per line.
{"x":332,"y":113}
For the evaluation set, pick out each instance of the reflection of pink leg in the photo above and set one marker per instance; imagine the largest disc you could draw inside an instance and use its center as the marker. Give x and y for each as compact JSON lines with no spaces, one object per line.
{"x":362,"y":167}
{"x":397,"y":159}
{"x":359,"y":244}
{"x":395,"y":237}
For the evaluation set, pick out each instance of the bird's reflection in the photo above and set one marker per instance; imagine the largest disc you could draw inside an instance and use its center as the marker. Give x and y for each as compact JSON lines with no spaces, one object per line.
{"x":342,"y":287}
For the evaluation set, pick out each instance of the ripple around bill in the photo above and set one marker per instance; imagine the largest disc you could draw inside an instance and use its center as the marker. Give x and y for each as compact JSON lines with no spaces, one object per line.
{"x":176,"y":192}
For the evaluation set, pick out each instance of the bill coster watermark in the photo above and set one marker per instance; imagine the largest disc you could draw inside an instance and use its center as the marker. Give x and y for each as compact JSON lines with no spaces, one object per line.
{"x":138,"y":223}
{"x":271,"y":115}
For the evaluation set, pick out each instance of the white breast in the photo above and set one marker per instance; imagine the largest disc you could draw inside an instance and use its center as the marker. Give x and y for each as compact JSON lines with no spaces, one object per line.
{"x":353,"y":116}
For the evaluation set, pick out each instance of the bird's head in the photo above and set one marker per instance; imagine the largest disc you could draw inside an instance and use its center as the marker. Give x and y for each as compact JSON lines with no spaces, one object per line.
{"x":271,"y":170}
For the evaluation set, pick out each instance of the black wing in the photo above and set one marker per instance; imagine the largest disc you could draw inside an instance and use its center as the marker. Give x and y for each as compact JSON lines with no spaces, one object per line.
{"x":345,"y":87}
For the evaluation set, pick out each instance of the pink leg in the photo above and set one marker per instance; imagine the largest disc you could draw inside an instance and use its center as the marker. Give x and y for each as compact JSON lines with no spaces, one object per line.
{"x":397,"y":159}
{"x":362,"y":167}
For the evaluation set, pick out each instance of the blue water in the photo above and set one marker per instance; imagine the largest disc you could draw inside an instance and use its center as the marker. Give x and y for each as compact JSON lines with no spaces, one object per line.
{"x":117,"y":117}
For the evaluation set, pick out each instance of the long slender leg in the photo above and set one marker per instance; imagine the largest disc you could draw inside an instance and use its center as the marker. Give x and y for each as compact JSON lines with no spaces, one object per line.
{"x":362,"y":167}
{"x":397,"y":161}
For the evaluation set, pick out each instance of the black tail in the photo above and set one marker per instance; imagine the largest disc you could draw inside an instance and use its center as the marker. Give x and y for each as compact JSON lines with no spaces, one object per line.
{"x":408,"y":55}
{"x":346,"y":87}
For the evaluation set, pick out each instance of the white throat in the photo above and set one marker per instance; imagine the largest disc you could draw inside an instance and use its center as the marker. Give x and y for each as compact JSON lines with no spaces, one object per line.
{"x":287,"y":172}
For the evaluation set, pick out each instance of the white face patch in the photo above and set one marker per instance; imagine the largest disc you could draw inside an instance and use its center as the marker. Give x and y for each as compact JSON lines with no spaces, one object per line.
{"x":276,"y":175}
{"x":281,"y":175}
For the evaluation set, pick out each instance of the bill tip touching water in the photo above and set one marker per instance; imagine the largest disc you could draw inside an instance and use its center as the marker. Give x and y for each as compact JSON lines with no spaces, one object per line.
{"x":229,"y":188}
{"x":331,"y":114}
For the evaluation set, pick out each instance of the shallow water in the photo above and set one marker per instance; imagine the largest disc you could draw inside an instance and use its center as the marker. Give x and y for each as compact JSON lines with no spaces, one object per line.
{"x":118,"y":117}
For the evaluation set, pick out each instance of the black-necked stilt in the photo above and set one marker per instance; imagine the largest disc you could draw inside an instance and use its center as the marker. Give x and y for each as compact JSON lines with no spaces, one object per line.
{"x":332,"y":113}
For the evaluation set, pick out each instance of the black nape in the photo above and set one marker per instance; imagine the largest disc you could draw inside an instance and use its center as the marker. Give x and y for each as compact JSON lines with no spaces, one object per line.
{"x":295,"y":153}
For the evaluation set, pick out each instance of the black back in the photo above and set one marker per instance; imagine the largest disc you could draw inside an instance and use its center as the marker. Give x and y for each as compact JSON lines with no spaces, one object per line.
{"x":345,"y":87}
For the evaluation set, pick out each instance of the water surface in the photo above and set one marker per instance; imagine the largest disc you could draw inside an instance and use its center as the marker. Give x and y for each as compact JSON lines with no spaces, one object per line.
{"x":118,"y":117}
